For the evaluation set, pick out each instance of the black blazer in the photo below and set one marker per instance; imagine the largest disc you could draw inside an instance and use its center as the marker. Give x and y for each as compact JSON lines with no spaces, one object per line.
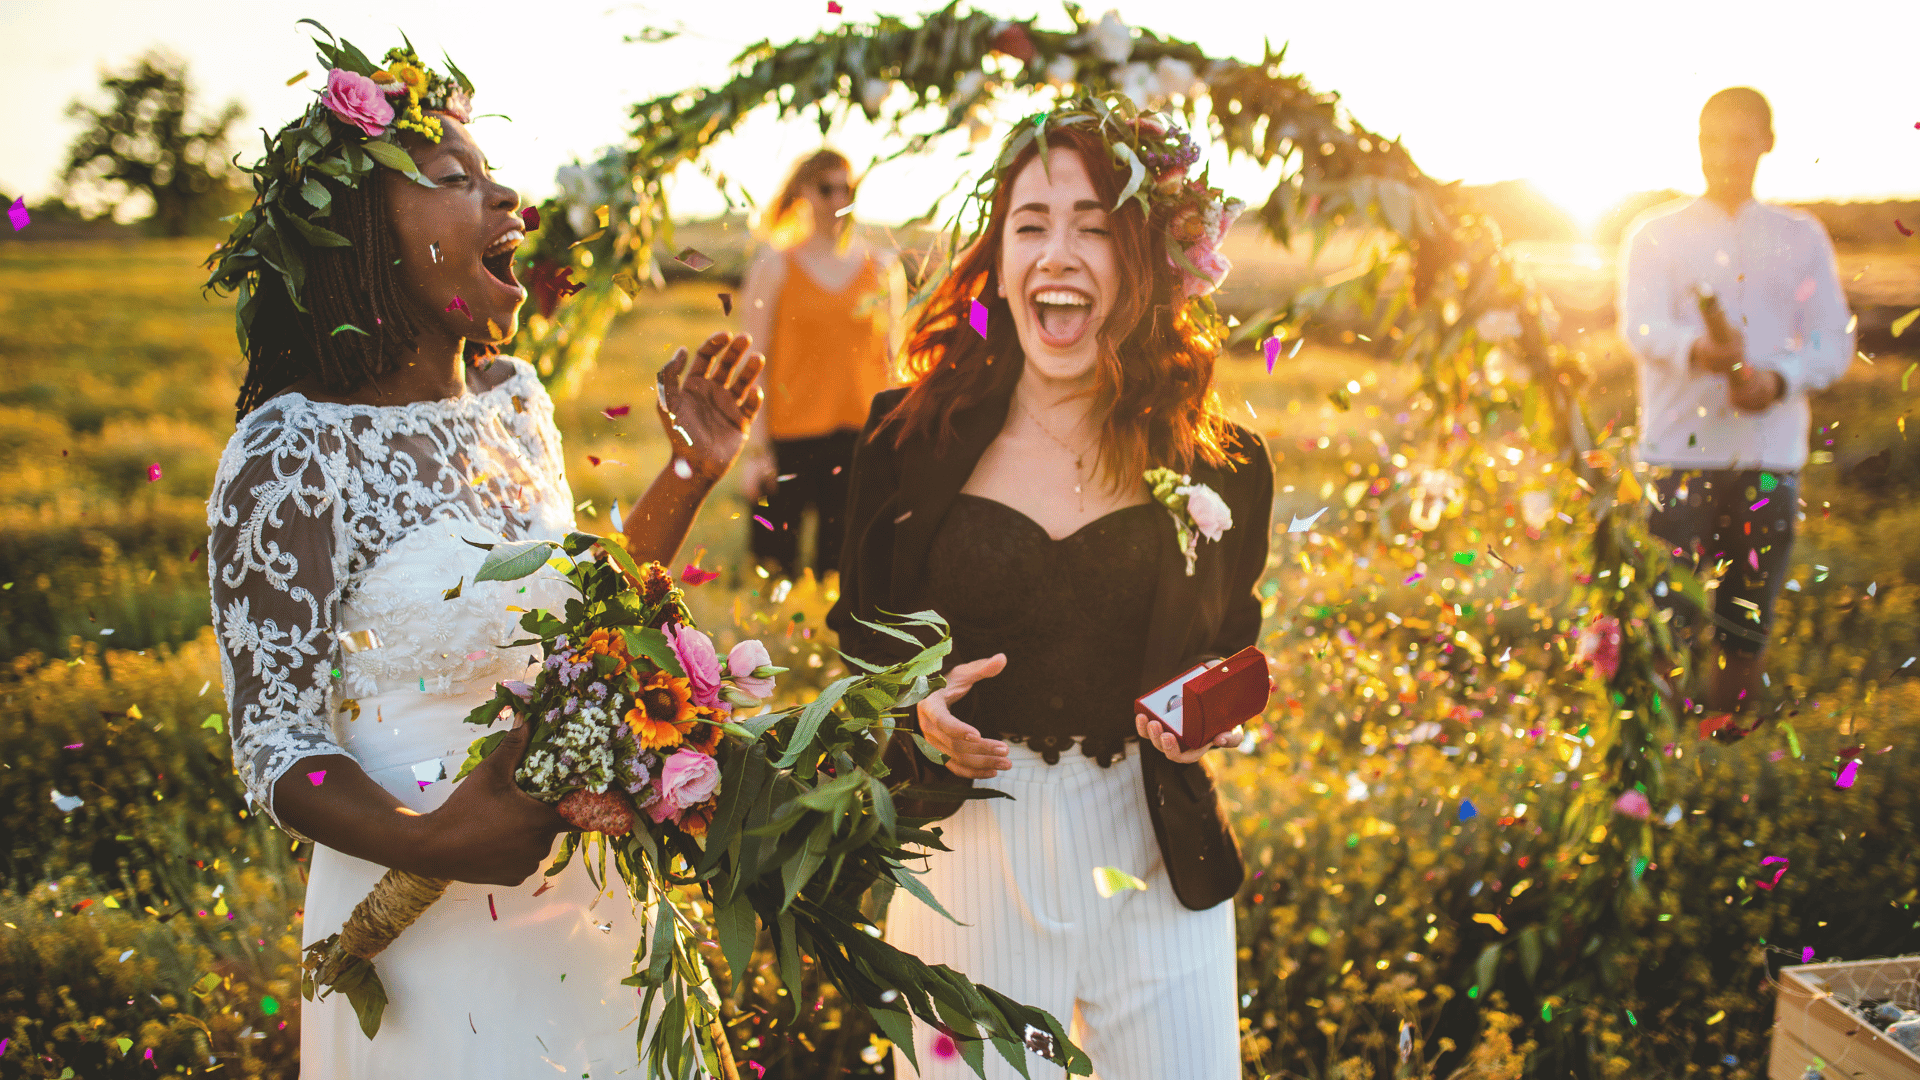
{"x":897,"y":501}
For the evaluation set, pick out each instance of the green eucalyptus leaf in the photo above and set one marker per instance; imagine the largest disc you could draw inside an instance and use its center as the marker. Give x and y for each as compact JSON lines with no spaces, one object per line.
{"x":317,"y":235}
{"x":510,"y":562}
{"x":392,"y":156}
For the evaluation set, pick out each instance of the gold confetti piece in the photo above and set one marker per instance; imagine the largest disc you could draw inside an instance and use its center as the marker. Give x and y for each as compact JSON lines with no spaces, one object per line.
{"x":478,"y":480}
{"x":600,"y":215}
{"x":454,"y":593}
{"x":296,"y":78}
{"x":1716,"y":1017}
{"x":359,"y":640}
{"x":589,"y":238}
{"x":1108,"y":881}
{"x":350,"y":706}
{"x":1491,"y":920}
{"x":133,"y":713}
{"x":693,"y":259}
{"x":628,"y":283}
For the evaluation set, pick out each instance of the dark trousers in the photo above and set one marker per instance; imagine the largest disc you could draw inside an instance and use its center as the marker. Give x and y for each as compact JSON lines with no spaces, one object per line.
{"x":1743,"y":517}
{"x":814,"y":472}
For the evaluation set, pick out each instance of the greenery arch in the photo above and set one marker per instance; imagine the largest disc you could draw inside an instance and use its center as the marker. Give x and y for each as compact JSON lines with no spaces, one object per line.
{"x":1444,"y":290}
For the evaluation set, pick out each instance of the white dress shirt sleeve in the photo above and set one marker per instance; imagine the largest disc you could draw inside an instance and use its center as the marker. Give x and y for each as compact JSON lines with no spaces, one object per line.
{"x":1827,"y":346}
{"x":1648,"y":322}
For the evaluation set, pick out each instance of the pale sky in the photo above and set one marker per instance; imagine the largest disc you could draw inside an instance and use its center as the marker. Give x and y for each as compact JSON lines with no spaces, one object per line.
{"x":1590,"y":102}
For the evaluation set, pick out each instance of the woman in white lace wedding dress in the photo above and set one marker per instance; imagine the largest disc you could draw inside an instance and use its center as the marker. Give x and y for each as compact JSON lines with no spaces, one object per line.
{"x":355,"y":640}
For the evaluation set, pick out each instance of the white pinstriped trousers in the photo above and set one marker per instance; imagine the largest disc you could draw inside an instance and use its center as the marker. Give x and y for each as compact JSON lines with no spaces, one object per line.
{"x":1148,"y":984}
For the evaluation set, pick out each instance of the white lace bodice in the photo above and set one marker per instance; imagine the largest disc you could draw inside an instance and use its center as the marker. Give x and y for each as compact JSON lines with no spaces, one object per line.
{"x":310,"y":496}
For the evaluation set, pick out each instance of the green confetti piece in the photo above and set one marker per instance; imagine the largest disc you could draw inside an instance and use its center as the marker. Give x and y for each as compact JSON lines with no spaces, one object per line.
{"x":1900,"y":324}
{"x":269,"y":1006}
{"x":1768,"y":481}
{"x":1473,"y":993}
{"x":1907,"y":375}
{"x":1631,"y":1019}
{"x":1109,"y":881}
{"x":1546,"y":1011}
{"x":1793,"y":740}
{"x":1464,"y":558}
{"x":125,"y":1044}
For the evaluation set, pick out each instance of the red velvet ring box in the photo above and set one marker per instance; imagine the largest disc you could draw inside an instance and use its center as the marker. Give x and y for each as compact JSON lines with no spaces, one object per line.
{"x":1203,"y":703}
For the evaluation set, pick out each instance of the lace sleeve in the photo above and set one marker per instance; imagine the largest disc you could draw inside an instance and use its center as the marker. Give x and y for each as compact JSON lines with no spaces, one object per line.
{"x":276,"y":566}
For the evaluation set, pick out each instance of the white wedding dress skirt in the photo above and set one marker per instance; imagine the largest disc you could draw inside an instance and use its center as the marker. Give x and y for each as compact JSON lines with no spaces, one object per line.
{"x":491,"y":982}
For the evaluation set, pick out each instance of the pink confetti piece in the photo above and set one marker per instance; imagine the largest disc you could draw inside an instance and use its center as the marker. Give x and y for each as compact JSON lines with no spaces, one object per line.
{"x":1411,"y":578}
{"x":75,"y":746}
{"x":459,"y":305}
{"x":1777,"y":874}
{"x":977,"y":318}
{"x":3,"y":1046}
{"x":833,"y":7}
{"x":1805,"y":292}
{"x":764,"y":521}
{"x":477,"y":654}
{"x":490,"y":911}
{"x":1904,"y":231}
{"x":1758,"y":505}
{"x":759,"y":1070}
{"x":153,"y":472}
{"x":615,"y":412}
{"x":317,"y":776}
{"x":529,"y":218}
{"x":1806,"y":955}
{"x":1272,"y":346}
{"x":1847,"y":775}
{"x":693,"y":575}
{"x":1753,"y":558}
{"x":944,"y":1047}
{"x":17,"y":214}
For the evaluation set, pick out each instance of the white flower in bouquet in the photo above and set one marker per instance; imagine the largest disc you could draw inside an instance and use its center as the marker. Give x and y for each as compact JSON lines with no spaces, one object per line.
{"x":1061,"y":70}
{"x":1112,"y":39}
{"x":873,"y":93}
{"x":1502,"y":324}
{"x":1175,"y":77}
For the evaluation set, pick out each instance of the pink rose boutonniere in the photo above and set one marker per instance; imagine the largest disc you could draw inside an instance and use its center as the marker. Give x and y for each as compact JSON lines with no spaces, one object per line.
{"x":1197,"y":510}
{"x":697,"y":657}
{"x":357,"y":100}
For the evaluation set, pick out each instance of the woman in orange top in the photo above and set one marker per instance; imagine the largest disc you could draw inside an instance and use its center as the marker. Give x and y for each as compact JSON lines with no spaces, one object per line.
{"x":824,"y":306}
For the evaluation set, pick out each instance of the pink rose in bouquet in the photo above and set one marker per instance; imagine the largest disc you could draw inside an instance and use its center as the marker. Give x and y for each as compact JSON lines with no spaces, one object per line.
{"x":357,"y":100}
{"x":1210,"y":513}
{"x":687,"y":779}
{"x":742,"y":661}
{"x":696,"y":654}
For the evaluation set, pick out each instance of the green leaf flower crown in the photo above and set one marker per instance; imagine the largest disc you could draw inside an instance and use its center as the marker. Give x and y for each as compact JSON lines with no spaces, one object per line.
{"x":1157,"y":157}
{"x":352,"y":126}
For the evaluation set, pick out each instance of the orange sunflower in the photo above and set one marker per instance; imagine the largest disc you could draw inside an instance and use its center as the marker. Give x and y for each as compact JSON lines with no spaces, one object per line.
{"x":604,"y":642}
{"x":663,"y":711}
{"x":705,"y":737}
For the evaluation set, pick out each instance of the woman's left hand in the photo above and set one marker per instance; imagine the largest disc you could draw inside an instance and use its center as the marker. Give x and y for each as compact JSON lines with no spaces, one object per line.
{"x":707,"y":409}
{"x":1163,"y":738}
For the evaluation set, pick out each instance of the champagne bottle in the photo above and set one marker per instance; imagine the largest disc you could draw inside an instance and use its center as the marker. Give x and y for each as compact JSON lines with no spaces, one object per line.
{"x":1710,"y":310}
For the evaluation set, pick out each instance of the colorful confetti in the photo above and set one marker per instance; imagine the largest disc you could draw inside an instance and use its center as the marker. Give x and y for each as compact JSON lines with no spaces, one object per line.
{"x":1777,"y":874}
{"x":1847,"y":775}
{"x":17,"y":214}
{"x":615,"y":412}
{"x":529,"y":218}
{"x":296,"y":78}
{"x":1904,"y":231}
{"x":693,"y":575}
{"x":490,"y":910}
{"x":1491,"y":920}
{"x":833,"y":7}
{"x":459,"y":305}
{"x":764,"y":521}
{"x":1110,"y":881}
{"x":977,"y":318}
{"x":726,"y":303}
{"x":153,"y":472}
{"x":693,"y":260}
{"x":1272,"y":347}
{"x":1468,"y":810}
{"x":318,"y":776}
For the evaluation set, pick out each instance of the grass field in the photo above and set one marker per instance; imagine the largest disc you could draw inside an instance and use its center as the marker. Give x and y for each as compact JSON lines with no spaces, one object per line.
{"x":160,"y":913}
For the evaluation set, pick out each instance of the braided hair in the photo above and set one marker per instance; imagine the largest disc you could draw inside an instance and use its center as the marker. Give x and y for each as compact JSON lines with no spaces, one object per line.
{"x":356,"y":324}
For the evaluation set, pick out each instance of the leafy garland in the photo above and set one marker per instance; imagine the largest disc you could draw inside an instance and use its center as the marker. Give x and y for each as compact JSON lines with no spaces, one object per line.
{"x":1456,"y":302}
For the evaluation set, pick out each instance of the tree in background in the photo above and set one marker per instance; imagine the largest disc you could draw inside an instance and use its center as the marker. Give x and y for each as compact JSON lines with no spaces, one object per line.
{"x":142,"y":142}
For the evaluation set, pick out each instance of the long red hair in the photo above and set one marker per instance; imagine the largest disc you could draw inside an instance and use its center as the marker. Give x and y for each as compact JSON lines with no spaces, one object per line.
{"x":1154,"y":376}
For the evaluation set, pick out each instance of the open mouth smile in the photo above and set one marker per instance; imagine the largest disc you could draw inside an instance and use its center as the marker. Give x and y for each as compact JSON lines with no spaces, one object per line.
{"x":1062,"y":315}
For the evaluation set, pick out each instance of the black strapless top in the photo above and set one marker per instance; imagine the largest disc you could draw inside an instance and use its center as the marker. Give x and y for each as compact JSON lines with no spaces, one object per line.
{"x":1070,"y":614}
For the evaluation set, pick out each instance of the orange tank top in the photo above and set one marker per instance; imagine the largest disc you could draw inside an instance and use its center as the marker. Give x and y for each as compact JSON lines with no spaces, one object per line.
{"x":828,"y":357}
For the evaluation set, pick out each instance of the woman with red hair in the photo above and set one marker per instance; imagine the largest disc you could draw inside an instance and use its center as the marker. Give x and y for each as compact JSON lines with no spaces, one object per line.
{"x":1058,"y":484}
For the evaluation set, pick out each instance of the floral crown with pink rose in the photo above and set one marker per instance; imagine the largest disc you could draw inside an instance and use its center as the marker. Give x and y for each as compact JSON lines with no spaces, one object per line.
{"x":352,"y":127}
{"x":1158,"y":157}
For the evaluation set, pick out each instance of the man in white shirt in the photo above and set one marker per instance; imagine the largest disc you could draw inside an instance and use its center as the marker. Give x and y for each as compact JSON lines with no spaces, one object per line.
{"x":1729,"y":420}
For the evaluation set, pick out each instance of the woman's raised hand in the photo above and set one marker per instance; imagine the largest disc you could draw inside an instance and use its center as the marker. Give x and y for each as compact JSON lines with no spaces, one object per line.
{"x":968,"y":754}
{"x":707,"y":408}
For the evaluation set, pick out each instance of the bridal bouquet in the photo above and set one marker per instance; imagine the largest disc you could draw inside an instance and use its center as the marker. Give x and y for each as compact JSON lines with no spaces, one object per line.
{"x":782,"y":820}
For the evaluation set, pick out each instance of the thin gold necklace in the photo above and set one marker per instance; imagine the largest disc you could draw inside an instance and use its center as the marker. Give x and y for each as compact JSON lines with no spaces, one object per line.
{"x":1078,"y":455}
